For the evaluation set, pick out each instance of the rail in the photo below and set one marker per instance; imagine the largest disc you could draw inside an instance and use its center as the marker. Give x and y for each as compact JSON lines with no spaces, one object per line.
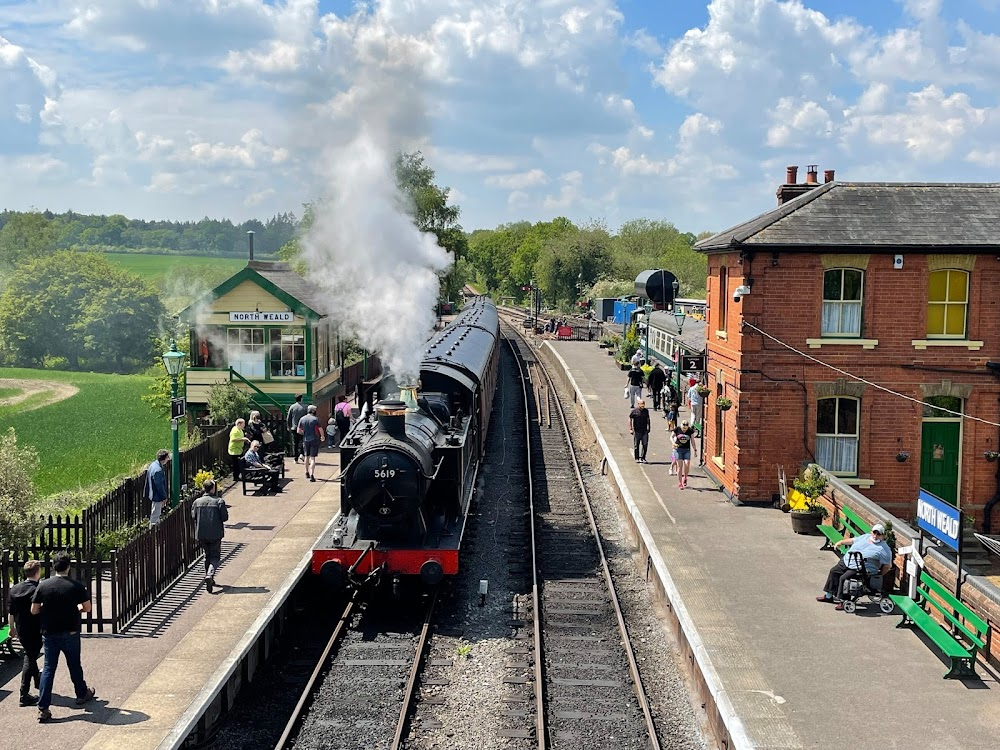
{"x":234,"y":374}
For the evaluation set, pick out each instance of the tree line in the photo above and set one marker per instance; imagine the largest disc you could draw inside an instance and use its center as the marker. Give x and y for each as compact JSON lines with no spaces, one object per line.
{"x":571,"y":263}
{"x":116,"y":233}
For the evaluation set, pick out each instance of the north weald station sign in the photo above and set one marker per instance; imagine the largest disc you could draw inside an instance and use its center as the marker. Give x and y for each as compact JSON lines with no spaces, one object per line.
{"x":939,"y":519}
{"x":261,"y":317}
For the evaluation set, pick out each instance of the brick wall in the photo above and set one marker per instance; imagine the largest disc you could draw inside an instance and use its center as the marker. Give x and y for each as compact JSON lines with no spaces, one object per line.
{"x":775,"y":391}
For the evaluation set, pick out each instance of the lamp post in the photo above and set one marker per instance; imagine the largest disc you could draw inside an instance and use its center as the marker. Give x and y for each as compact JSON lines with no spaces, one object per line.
{"x":679,"y":317}
{"x":173,"y":363}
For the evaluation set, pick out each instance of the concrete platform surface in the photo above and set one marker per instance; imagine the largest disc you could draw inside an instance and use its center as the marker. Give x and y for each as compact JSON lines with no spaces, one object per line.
{"x":147,"y":677}
{"x":797,"y":673}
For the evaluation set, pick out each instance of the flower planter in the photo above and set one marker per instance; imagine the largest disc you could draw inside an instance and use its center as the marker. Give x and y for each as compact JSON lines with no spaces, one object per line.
{"x":725,"y":407}
{"x":806,"y":522}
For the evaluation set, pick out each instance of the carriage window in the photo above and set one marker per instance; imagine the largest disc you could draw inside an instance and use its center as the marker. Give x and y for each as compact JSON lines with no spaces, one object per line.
{"x":837,"y":435}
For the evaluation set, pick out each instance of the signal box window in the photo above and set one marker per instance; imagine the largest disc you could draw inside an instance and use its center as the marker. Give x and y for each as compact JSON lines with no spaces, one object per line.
{"x":842,"y":290}
{"x":245,"y":349}
{"x":947,"y":304}
{"x":288,"y":353}
{"x":837,"y":435}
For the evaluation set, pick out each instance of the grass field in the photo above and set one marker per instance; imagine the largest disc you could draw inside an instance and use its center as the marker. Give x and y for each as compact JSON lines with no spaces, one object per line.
{"x":157,"y":268}
{"x":102,"y":432}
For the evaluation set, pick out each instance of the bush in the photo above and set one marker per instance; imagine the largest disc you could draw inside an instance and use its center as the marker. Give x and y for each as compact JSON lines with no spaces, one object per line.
{"x":227,"y":402}
{"x":630,"y":345}
{"x":20,"y":521}
{"x":117,"y":539}
{"x":201,"y":476}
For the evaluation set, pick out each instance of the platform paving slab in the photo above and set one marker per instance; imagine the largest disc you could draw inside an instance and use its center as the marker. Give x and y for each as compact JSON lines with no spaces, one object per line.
{"x":147,"y":677}
{"x":798,"y":673}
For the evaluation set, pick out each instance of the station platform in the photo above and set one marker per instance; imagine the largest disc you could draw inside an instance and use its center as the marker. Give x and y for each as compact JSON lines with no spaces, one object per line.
{"x":785,"y":671}
{"x":150,"y":679}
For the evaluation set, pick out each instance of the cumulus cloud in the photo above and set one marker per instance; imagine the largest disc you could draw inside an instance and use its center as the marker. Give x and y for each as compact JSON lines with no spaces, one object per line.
{"x":519,"y":180}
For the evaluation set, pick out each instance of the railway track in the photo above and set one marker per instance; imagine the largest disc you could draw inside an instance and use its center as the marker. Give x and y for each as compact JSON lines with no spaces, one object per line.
{"x":587,"y":689}
{"x":361,"y":692}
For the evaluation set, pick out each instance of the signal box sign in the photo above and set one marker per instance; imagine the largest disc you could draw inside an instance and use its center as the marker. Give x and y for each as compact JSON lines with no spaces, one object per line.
{"x":178,"y":407}
{"x":693,"y":363}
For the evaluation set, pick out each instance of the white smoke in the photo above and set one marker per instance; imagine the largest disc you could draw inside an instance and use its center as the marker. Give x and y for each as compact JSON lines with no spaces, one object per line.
{"x":380,"y":272}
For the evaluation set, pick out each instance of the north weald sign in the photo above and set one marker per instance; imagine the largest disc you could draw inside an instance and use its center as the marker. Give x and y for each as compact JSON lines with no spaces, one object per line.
{"x":939,"y":519}
{"x":261,"y":317}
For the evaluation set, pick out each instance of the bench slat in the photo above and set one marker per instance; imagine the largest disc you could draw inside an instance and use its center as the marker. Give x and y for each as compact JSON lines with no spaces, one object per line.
{"x":941,"y":637}
{"x":830,"y":533}
{"x":856,"y":522}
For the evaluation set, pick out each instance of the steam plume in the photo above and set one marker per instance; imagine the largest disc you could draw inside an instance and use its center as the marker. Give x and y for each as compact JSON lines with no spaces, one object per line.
{"x":380,"y":272}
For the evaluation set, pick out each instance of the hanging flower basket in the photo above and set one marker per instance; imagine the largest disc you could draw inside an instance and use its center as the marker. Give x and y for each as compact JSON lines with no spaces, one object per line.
{"x":704,"y":390}
{"x":902,"y":456}
{"x":724,"y":403}
{"x":991,"y":456}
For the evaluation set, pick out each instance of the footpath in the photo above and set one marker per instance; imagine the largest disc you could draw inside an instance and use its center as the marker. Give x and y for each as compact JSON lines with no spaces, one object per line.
{"x":791,"y":672}
{"x":148,"y":677}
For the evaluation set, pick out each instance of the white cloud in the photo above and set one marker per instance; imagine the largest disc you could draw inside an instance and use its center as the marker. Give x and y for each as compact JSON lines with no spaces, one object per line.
{"x":519,"y":180}
{"x":569,"y":192}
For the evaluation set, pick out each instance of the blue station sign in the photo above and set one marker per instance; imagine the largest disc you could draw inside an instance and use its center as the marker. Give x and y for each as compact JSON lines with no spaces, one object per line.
{"x":939,"y":519}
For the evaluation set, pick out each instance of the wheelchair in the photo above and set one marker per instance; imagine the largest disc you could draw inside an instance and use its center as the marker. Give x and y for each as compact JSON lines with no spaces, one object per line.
{"x":870,"y":585}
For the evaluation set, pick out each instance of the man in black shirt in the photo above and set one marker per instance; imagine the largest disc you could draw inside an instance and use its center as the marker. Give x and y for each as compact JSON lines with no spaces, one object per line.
{"x":60,"y":600}
{"x":638,"y":425}
{"x":27,"y":628}
{"x":656,"y":380}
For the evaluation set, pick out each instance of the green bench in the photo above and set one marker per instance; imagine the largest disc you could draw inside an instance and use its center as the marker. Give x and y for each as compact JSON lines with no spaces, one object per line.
{"x":851,"y":524}
{"x":6,"y":642}
{"x":969,"y":631}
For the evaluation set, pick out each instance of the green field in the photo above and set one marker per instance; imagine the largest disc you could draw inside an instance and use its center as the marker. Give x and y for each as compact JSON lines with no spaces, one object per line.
{"x":102,"y":432}
{"x":157,"y":268}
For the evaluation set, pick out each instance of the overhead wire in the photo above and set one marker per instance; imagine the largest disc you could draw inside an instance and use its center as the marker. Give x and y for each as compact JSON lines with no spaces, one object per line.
{"x":863,"y":380}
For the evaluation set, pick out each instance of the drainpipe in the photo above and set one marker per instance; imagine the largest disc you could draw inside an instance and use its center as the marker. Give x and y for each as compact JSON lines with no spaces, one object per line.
{"x":994,"y":368}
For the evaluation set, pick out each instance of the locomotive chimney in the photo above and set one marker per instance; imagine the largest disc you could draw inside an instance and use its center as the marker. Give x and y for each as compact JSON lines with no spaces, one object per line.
{"x":392,"y":418}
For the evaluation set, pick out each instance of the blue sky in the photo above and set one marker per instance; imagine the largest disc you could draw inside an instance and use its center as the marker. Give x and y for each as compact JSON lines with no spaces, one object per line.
{"x":527,"y":109}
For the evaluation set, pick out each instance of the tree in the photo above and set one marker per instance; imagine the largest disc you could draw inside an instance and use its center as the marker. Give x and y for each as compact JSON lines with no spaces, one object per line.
{"x":431,"y":212}
{"x":227,"y":402}
{"x":74,"y":305}
{"x":571,"y":261}
{"x":160,"y":391}
{"x":20,"y":520}
{"x":25,"y":236}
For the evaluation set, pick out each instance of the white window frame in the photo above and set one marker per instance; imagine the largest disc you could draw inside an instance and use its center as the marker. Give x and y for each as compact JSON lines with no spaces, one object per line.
{"x":841,"y":304}
{"x":840,"y":436}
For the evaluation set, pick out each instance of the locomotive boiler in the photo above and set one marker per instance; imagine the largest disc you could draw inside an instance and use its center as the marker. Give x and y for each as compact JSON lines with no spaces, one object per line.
{"x":407,"y":475}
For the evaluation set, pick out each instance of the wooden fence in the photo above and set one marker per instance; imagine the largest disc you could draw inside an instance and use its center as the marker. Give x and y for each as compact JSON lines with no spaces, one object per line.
{"x":123,"y":587}
{"x":97,"y":575}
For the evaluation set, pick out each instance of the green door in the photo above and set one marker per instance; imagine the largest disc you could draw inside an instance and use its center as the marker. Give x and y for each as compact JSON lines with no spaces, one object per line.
{"x":939,"y":451}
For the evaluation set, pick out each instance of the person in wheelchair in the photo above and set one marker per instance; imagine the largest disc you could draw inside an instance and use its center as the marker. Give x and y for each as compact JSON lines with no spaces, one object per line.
{"x":877,"y":557}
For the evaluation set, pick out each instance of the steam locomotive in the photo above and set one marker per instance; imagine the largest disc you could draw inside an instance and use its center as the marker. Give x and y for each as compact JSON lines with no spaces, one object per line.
{"x":407,"y":478}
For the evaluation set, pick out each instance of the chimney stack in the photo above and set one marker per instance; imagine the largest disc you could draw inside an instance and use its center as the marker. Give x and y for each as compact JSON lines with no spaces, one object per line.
{"x":250,"y":235}
{"x":792,"y":189}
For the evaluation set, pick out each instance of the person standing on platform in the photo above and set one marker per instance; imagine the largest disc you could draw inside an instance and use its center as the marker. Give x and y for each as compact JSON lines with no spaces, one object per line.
{"x":637,"y":358}
{"x":656,"y":380}
{"x":683,"y":445}
{"x":331,"y":433}
{"x":236,"y":441}
{"x":156,"y":486}
{"x":634,"y":384}
{"x":695,"y":402}
{"x":210,"y":514}
{"x":312,"y":438}
{"x":342,"y":413}
{"x":255,"y":429}
{"x":638,"y":425}
{"x":27,"y":628}
{"x":295,"y":412}
{"x":60,"y":600}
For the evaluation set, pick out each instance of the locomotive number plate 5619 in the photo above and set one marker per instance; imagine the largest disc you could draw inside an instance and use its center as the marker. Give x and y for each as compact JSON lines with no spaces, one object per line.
{"x":385,"y":473}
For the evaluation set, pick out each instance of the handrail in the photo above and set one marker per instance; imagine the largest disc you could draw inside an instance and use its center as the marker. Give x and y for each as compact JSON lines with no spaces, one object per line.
{"x":253,"y":387}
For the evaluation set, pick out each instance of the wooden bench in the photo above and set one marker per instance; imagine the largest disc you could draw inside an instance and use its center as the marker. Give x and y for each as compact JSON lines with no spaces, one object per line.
{"x":851,"y":524}
{"x":6,"y":641}
{"x":260,"y":476}
{"x":968,"y":630}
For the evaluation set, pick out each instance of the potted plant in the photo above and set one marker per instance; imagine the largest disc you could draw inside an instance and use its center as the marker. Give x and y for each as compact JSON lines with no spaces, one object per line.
{"x":902,"y":456}
{"x":725,"y":404}
{"x":809,"y":512}
{"x":704,"y":390}
{"x":991,"y":456}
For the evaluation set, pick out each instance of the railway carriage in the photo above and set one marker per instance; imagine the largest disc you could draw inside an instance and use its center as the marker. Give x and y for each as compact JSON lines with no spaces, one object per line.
{"x":407,"y":477}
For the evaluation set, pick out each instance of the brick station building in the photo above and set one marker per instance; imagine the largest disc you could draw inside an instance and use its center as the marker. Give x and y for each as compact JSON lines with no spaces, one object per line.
{"x":895,"y":283}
